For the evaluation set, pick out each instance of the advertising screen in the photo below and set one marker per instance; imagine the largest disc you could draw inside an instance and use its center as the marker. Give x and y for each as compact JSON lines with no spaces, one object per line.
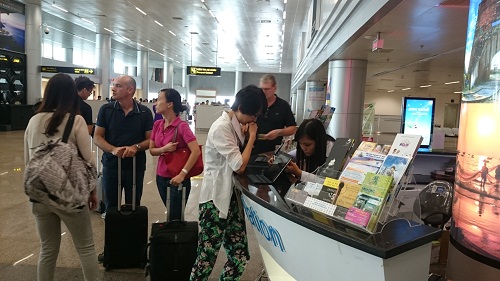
{"x":418,"y":118}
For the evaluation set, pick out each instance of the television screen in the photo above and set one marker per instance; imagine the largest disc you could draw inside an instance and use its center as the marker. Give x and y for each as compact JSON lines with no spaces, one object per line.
{"x":417,"y":118}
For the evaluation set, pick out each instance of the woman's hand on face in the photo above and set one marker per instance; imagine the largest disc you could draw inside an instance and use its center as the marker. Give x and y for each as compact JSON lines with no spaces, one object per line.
{"x":169,"y":147}
{"x":252,"y":128}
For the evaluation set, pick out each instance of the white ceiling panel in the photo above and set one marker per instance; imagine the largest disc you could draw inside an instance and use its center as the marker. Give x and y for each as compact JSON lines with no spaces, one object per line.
{"x":423,"y":39}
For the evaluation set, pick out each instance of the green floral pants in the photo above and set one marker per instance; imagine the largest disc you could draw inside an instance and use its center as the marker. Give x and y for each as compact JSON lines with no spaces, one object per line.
{"x":216,"y":232}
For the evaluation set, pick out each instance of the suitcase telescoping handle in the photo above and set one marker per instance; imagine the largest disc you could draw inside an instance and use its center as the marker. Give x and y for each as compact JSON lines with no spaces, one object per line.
{"x":183,"y":208}
{"x":120,"y":183}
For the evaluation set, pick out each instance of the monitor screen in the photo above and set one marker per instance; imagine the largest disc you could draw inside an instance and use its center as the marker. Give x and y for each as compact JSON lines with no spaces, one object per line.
{"x":417,"y":118}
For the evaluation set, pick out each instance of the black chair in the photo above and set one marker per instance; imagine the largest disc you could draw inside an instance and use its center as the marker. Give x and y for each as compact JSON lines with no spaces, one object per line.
{"x":433,"y":204}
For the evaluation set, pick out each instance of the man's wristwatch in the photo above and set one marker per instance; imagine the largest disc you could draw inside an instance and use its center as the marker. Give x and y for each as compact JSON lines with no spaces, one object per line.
{"x":138,"y":146}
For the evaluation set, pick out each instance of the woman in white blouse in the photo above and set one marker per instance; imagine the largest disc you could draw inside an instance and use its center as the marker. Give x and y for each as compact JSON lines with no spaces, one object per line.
{"x":59,"y":102}
{"x":226,"y":152}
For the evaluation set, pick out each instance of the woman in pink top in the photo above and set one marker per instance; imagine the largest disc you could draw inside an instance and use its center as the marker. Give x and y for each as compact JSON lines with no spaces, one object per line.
{"x":162,"y":142}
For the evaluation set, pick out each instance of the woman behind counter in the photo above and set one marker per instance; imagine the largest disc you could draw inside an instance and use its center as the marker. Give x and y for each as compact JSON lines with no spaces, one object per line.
{"x":221,"y":222}
{"x":313,"y":147}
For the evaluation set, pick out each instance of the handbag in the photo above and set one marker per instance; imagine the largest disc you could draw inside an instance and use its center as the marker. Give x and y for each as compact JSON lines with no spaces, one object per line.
{"x":57,"y":175}
{"x":177,"y":159}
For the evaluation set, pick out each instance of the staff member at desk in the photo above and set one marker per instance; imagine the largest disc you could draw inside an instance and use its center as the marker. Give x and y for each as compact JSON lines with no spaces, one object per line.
{"x":314,"y":145}
{"x":277,"y":121}
{"x":221,"y":222}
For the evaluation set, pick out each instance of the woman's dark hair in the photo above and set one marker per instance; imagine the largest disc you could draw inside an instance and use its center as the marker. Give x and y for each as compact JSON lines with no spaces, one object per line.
{"x":171,"y":95}
{"x":250,"y":100}
{"x":60,"y":97}
{"x":314,"y":130}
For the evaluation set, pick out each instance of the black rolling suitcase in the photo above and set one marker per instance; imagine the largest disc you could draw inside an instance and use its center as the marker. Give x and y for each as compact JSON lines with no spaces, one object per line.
{"x":172,"y":246}
{"x":101,"y":197}
{"x":126,"y":231}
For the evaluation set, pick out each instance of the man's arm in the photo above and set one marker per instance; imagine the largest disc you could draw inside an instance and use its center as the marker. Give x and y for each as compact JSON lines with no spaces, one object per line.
{"x":101,"y":142}
{"x":287,"y":131}
{"x":145,"y":143}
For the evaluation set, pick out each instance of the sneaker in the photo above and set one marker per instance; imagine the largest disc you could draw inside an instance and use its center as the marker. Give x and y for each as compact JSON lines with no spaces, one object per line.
{"x":100,"y":257}
{"x":103,"y":215}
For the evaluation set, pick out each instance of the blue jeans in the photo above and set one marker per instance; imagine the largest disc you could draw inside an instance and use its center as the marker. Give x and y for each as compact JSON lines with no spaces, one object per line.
{"x":175,"y":195}
{"x":110,"y":186}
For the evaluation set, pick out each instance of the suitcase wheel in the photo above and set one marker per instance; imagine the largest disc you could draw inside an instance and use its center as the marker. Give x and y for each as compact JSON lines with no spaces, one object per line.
{"x":102,"y":207}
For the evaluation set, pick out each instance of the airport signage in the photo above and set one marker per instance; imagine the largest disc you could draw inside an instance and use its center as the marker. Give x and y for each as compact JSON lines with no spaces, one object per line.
{"x":203,"y":71}
{"x":70,"y":70}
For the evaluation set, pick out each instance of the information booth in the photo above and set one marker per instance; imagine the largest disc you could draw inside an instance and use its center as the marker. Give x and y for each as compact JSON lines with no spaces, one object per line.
{"x":300,"y":240}
{"x":297,"y":247}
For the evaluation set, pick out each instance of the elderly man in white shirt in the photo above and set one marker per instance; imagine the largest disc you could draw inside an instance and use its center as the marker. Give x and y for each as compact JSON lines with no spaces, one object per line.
{"x":225,"y":153}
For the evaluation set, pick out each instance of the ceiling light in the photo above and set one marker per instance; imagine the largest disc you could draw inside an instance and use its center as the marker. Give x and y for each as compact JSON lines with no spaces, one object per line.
{"x":109,"y":30}
{"x":172,"y":33}
{"x":405,"y":89}
{"x":284,"y":14}
{"x":425,"y":86}
{"x":142,"y":12}
{"x":158,"y":23}
{"x":210,"y":11}
{"x":84,"y":19}
{"x":454,"y":82}
{"x":284,"y":1}
{"x":57,"y":7}
{"x":457,"y":92}
{"x":390,"y":91}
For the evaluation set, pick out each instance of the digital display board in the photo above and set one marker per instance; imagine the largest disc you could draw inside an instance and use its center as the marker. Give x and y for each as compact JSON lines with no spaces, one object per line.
{"x":203,"y":70}
{"x":418,"y":118}
{"x":71,"y":70}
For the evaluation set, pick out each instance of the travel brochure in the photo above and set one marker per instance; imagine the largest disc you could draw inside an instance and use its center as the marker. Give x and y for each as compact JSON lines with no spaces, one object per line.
{"x":366,"y":185}
{"x":324,"y":114}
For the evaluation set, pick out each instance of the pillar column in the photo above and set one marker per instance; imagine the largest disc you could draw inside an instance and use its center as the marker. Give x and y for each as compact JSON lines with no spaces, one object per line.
{"x":168,"y":74}
{"x":143,"y":72}
{"x":474,"y":252}
{"x":103,"y":63}
{"x":69,"y":55}
{"x":300,"y":106}
{"x":34,"y":50}
{"x":238,"y":81}
{"x":347,"y":79}
{"x":294,"y":103}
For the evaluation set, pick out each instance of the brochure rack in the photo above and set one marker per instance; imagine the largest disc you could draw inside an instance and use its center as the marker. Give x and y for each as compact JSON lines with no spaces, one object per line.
{"x":364,"y":195}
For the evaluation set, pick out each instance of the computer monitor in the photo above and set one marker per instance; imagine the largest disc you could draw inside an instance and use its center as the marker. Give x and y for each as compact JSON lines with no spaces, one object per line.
{"x":417,"y":118}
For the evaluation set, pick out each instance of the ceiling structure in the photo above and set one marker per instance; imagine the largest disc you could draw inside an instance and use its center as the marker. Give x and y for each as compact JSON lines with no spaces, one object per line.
{"x":424,"y":40}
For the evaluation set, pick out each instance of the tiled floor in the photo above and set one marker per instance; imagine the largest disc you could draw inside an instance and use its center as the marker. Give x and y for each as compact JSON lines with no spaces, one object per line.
{"x":19,"y":244}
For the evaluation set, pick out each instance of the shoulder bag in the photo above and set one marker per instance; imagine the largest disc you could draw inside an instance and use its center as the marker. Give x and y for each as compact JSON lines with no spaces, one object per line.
{"x":177,"y":159}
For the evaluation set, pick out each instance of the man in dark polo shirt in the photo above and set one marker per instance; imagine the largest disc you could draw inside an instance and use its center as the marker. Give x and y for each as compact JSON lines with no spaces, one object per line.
{"x":278,"y":121}
{"x":123,"y":130}
{"x":85,"y":86}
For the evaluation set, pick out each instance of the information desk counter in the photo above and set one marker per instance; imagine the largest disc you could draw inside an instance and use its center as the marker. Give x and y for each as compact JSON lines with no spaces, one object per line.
{"x":295,"y":247}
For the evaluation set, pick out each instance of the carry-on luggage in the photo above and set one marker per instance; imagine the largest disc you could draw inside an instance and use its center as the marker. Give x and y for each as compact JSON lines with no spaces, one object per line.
{"x":126,"y":231}
{"x":101,"y":197}
{"x":172,"y":246}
